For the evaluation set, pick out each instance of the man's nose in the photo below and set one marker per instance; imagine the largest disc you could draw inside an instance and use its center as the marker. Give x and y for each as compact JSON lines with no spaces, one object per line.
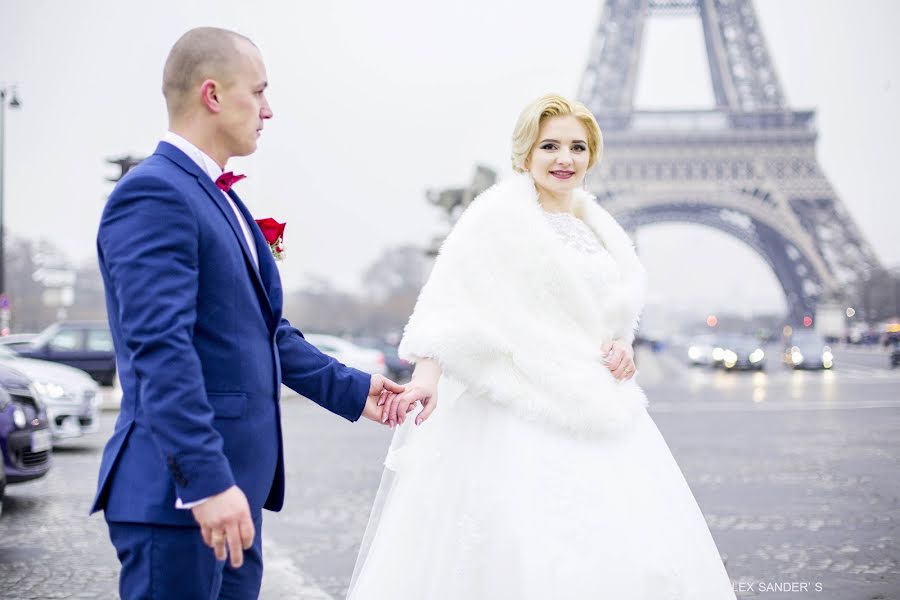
{"x":266,"y":111}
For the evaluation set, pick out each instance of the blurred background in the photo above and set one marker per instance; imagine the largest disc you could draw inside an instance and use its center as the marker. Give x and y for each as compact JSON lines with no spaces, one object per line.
{"x":377,"y":103}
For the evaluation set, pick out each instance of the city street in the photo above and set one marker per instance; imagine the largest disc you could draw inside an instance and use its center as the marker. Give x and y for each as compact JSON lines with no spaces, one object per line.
{"x":796,"y":473}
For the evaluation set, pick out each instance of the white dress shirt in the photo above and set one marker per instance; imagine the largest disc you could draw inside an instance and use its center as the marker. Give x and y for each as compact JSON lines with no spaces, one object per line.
{"x":213,"y":170}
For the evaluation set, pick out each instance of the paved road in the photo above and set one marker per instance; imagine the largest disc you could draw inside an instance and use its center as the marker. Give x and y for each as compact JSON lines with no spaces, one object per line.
{"x":795,"y":472}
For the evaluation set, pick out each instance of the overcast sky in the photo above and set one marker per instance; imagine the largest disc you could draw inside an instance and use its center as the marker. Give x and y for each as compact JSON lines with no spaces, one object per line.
{"x":377,"y":101}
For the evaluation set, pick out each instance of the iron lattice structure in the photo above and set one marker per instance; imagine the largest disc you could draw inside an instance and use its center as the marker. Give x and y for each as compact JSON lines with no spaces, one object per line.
{"x":746,"y":167}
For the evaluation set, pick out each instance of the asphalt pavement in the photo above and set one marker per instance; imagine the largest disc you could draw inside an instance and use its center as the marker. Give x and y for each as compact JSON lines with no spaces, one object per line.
{"x":796,"y":473}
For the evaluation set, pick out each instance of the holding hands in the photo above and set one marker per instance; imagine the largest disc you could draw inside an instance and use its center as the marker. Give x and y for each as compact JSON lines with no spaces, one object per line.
{"x":422,"y":389}
{"x":396,"y":407}
{"x":380,"y":388}
{"x":619,"y":358}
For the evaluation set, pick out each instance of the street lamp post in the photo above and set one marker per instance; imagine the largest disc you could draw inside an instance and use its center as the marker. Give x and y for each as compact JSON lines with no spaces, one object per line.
{"x":14,"y":103}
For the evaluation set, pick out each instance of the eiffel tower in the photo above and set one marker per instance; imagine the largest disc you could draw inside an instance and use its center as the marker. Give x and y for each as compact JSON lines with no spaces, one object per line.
{"x":746,"y":167}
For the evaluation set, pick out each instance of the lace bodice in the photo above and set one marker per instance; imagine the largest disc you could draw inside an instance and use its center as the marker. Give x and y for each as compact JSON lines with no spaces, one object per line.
{"x":574,"y":232}
{"x":593,"y":259}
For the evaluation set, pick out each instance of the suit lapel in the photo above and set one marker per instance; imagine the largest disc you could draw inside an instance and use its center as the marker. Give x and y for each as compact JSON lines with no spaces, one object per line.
{"x":268,"y":270}
{"x":183,"y":161}
{"x":217,"y":196}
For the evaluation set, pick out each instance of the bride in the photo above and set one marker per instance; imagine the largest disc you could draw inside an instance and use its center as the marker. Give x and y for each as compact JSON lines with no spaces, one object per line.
{"x":542,"y":475}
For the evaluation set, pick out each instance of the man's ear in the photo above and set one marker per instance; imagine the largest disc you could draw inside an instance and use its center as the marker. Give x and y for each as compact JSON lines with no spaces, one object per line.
{"x":209,"y":91}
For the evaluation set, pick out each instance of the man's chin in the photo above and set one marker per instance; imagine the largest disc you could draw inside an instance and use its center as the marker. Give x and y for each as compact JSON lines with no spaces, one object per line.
{"x":246,"y":150}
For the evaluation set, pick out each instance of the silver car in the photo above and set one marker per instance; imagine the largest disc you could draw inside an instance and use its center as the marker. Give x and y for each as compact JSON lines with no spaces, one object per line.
{"x":368,"y":360}
{"x":70,"y":395}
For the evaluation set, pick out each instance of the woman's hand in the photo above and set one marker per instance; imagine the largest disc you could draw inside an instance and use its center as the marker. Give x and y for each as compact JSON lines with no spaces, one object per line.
{"x":619,"y":359}
{"x":397,"y":406}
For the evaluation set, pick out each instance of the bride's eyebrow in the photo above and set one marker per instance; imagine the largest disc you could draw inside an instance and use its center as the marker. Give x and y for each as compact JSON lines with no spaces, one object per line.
{"x":557,"y":141}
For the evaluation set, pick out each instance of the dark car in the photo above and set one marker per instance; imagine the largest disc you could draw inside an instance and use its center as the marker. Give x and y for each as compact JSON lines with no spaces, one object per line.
{"x":742,"y":352}
{"x":808,"y":350}
{"x":25,"y":438}
{"x":397,"y":368}
{"x":895,"y":353}
{"x":2,"y":485}
{"x":85,"y":345}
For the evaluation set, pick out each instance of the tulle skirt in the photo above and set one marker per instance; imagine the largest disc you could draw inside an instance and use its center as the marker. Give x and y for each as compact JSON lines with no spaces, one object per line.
{"x":478,"y":504}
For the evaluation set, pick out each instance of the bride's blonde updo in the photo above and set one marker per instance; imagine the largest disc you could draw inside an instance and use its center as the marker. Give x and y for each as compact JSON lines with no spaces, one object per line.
{"x":528,"y":127}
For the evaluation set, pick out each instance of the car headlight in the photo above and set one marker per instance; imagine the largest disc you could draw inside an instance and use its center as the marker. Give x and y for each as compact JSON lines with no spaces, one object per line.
{"x":19,"y":418}
{"x":51,"y":391}
{"x":694,"y":353}
{"x":827,"y":356}
{"x":729,"y":358}
{"x":796,"y":357}
{"x":718,"y":353}
{"x":757,"y":355}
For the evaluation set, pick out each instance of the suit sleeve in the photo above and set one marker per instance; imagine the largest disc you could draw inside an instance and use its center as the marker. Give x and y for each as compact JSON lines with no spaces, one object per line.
{"x":336,"y":387}
{"x":148,"y":244}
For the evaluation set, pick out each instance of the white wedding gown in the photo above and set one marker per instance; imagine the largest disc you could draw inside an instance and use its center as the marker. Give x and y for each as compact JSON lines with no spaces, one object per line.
{"x":478,"y":504}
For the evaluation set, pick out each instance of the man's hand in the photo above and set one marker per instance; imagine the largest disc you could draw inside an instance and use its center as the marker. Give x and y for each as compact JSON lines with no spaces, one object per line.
{"x":396,"y":407}
{"x":380,"y":390}
{"x":225,"y":520}
{"x":619,"y":359}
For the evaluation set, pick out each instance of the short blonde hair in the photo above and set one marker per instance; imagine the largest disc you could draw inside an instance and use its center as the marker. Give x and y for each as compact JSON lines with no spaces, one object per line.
{"x":528,"y":127}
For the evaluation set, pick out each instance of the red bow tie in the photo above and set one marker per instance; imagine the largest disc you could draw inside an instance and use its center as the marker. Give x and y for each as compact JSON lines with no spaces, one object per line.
{"x":226,"y":180}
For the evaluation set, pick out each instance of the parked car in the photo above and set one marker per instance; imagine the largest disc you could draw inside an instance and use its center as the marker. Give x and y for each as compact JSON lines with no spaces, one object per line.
{"x":808,"y":350}
{"x":895,"y":355}
{"x":397,"y":368}
{"x":25,"y":438}
{"x":2,"y":485}
{"x":742,"y":352}
{"x":71,"y":397}
{"x":17,"y":340}
{"x":85,"y":345}
{"x":364,"y":359}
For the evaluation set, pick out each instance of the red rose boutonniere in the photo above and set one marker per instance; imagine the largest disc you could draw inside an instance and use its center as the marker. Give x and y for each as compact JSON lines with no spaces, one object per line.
{"x":273,"y":231}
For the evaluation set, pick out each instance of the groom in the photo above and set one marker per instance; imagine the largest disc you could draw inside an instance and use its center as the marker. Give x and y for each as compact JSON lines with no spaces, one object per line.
{"x":194,"y":302}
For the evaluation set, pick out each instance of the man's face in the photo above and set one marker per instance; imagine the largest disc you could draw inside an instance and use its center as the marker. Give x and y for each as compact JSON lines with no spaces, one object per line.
{"x":243,"y":101}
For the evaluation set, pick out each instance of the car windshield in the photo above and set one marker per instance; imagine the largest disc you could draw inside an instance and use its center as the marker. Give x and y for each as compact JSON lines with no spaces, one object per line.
{"x":738,"y":341}
{"x":807,"y":338}
{"x":43,"y":337}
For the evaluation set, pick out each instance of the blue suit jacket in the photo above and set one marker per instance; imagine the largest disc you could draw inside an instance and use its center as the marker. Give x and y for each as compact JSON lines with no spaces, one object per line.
{"x":201,"y":348}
